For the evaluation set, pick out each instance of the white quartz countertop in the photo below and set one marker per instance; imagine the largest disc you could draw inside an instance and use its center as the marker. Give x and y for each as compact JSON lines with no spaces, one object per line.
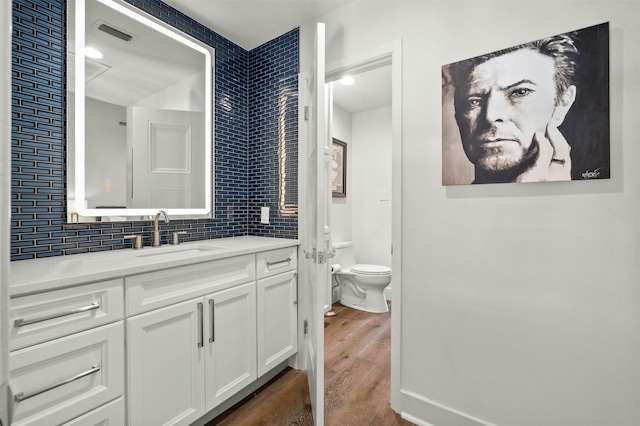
{"x":38,"y":275}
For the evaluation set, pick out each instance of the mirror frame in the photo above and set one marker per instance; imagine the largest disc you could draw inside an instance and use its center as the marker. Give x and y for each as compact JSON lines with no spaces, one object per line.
{"x":87,"y":214}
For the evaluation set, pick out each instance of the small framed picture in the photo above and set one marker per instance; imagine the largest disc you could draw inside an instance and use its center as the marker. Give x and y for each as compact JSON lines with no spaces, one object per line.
{"x":339,"y":169}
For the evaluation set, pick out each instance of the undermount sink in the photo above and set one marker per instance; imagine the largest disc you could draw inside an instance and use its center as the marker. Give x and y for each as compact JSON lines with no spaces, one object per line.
{"x":179,"y":251}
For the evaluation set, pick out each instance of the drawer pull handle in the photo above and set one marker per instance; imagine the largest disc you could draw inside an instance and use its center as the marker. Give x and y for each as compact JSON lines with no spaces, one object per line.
{"x":21,"y":396}
{"x":272,"y":264}
{"x":21,"y":322}
{"x":212,"y":338}
{"x":201,"y":322}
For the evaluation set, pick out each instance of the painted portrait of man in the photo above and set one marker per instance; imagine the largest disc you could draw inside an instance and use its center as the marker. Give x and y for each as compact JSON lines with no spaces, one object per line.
{"x":534,"y":112}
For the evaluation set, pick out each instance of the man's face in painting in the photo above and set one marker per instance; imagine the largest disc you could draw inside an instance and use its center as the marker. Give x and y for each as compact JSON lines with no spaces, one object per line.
{"x":506,"y":101}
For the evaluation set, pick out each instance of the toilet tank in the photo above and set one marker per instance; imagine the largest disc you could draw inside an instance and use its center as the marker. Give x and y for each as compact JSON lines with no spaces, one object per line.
{"x":344,"y":254}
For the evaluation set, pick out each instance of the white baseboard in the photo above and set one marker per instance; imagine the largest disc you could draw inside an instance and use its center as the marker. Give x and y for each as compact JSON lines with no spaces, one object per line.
{"x":414,"y":420}
{"x":424,"y":412}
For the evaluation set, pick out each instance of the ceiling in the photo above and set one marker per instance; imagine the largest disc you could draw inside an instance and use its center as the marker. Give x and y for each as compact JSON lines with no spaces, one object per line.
{"x":124,"y":83}
{"x":250,"y":23}
{"x":371,"y":90}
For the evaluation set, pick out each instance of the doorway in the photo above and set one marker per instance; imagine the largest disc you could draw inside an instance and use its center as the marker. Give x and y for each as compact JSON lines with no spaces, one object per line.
{"x":361,"y":133}
{"x":382,"y":64}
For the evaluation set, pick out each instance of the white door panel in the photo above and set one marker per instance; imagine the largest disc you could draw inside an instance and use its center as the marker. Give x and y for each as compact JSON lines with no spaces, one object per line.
{"x":230,"y":342}
{"x":167,"y":158}
{"x":166,"y":377}
{"x":315,"y":276}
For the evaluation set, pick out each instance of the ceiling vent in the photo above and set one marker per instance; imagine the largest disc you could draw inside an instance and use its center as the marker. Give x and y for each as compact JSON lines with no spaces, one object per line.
{"x":92,"y":69}
{"x":113,"y":32}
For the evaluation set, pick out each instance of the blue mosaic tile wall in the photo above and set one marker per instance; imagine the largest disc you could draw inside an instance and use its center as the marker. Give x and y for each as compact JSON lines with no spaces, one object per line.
{"x":273,"y":136}
{"x":38,"y":206}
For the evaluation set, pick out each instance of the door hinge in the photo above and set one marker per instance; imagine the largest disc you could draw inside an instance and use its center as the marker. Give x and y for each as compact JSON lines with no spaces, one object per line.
{"x":306,"y":113}
{"x":306,"y":327}
{"x":320,"y":257}
{"x":323,"y":256}
{"x":310,"y":254}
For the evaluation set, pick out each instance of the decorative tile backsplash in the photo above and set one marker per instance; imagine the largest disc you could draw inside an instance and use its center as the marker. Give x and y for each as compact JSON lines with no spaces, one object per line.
{"x":273,"y":136}
{"x":255,"y":138}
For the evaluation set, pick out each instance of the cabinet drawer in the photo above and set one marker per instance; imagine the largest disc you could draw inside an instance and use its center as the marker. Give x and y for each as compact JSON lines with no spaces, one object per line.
{"x":46,"y":316}
{"x":275,"y":262}
{"x":111,"y":414}
{"x":57,"y":381}
{"x":163,"y":288}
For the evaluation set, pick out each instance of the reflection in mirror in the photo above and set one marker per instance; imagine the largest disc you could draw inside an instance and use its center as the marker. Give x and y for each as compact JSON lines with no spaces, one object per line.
{"x":139,"y":110}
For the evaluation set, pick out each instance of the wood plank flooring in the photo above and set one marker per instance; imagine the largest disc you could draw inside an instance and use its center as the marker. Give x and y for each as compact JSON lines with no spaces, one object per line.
{"x":357,"y":380}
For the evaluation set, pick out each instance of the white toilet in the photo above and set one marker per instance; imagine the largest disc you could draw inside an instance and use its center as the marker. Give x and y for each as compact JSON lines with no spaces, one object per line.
{"x":361,"y":285}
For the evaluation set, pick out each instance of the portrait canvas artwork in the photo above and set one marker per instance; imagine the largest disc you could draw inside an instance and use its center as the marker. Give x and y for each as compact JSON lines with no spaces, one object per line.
{"x":339,"y":169}
{"x":534,"y":112}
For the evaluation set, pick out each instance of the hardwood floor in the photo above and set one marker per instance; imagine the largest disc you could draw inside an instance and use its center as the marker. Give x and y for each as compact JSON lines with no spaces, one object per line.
{"x":357,"y":380}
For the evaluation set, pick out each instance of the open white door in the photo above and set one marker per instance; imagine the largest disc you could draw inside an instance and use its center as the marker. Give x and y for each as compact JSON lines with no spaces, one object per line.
{"x":313,"y":182}
{"x":327,"y":200}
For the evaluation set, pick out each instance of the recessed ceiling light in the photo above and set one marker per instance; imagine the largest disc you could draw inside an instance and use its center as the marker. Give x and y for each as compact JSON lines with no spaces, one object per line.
{"x":347,"y":80}
{"x":93,"y":53}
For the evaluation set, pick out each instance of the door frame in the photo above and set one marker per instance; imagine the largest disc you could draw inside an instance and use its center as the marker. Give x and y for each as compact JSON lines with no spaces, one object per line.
{"x":387,"y":54}
{"x":6,"y":9}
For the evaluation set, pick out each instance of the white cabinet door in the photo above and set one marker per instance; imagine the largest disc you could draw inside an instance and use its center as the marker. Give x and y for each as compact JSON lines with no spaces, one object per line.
{"x":230,"y":340}
{"x":277,"y":320}
{"x":166,"y":365}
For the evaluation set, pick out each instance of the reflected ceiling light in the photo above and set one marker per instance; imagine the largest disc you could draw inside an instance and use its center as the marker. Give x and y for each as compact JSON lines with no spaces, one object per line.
{"x":93,"y":53}
{"x":347,"y":80}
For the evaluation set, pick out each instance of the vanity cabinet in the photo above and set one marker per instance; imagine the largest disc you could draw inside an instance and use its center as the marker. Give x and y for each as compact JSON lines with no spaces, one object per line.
{"x":186,"y":358}
{"x":158,"y":345}
{"x":67,"y":353}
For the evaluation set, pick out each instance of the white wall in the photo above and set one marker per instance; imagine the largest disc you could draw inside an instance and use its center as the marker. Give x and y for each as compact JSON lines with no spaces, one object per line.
{"x":520,"y":302}
{"x":106,"y":153}
{"x":341,"y":210}
{"x":363,"y":216}
{"x":186,"y":95}
{"x":371,"y":186}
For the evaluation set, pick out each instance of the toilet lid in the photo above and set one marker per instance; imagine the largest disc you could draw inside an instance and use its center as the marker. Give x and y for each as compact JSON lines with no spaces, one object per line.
{"x":371,"y":269}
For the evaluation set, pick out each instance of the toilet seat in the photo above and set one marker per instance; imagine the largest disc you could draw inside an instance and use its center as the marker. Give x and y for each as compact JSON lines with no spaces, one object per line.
{"x":365,"y":269}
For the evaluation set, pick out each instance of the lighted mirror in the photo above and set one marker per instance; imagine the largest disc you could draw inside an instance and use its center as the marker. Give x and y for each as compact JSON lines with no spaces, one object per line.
{"x":139,"y":116}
